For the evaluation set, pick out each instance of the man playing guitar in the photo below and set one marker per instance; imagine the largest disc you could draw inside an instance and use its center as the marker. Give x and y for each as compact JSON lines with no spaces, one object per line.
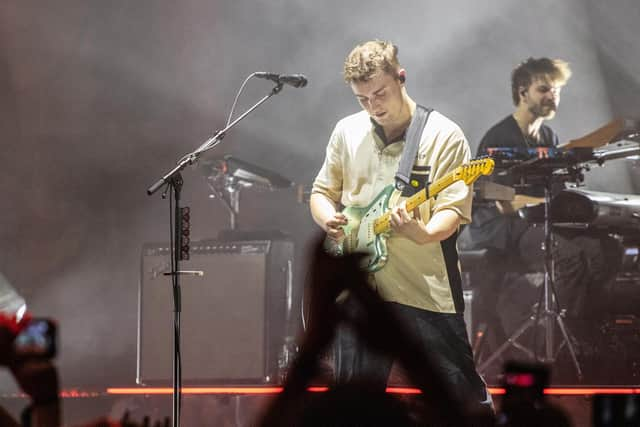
{"x":421,"y":278}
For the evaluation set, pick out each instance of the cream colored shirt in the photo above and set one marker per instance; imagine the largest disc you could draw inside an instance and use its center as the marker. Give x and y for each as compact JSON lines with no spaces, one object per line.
{"x":358,"y":166}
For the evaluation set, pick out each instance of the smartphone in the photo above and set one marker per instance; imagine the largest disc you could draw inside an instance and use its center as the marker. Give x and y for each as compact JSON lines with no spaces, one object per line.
{"x":36,"y":340}
{"x":525,"y":382}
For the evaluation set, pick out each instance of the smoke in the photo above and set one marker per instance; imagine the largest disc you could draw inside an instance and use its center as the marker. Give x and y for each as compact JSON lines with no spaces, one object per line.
{"x":103,"y":97}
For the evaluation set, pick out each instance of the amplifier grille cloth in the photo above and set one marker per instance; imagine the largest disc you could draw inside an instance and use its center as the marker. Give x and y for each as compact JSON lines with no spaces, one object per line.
{"x":222,"y":321}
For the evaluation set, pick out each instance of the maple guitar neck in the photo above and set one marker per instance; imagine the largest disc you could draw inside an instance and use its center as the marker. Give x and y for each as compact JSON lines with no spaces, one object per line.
{"x":383,"y":223}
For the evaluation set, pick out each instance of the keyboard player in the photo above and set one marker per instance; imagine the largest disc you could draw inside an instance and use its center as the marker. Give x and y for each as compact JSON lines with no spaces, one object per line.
{"x":512,"y":244}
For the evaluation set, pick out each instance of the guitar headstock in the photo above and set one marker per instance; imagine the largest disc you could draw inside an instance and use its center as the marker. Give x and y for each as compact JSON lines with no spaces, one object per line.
{"x":476,"y":167}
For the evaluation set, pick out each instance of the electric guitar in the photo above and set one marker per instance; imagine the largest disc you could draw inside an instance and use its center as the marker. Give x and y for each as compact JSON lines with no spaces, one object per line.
{"x":367,"y":228}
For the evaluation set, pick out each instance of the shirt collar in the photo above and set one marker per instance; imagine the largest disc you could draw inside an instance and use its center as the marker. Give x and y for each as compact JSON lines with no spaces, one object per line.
{"x":377,"y":129}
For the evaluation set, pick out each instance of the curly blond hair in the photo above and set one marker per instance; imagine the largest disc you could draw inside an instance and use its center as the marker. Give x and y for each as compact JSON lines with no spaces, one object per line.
{"x":367,"y":59}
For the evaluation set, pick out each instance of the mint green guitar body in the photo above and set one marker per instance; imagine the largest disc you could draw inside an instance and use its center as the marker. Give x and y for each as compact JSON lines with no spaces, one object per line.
{"x":359,"y":235}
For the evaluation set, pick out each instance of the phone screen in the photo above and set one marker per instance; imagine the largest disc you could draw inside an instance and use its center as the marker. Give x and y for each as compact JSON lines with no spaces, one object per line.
{"x":525,"y":382}
{"x":37,"y":339}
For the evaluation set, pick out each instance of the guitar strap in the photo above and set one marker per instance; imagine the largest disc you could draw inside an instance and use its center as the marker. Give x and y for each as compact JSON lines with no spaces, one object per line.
{"x":412,"y":142}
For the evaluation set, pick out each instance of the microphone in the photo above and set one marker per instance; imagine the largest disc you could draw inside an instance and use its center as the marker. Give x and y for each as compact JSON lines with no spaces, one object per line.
{"x":295,"y":80}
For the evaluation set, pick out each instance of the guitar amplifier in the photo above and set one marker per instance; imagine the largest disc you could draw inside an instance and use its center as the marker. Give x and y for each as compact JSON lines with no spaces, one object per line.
{"x":236,"y":318}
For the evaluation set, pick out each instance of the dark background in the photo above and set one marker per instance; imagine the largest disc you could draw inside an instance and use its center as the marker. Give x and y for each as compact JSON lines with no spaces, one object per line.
{"x":99,"y":98}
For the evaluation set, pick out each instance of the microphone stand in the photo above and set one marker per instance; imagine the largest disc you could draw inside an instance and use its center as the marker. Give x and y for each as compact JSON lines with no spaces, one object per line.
{"x":173,"y":181}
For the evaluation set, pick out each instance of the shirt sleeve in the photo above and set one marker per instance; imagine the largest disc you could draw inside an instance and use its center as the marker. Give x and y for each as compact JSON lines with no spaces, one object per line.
{"x":458,"y":196}
{"x":328,"y":182}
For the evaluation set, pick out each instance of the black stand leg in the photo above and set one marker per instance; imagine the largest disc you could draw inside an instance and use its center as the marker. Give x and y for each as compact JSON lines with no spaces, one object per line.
{"x":176,"y":185}
{"x":545,"y":315}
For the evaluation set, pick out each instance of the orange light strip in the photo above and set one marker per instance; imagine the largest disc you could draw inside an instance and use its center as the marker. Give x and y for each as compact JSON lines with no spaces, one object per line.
{"x":205,"y":390}
{"x":591,"y":391}
{"x":495,"y":391}
{"x":75,"y":393}
{"x":398,"y":390}
{"x":195,"y":390}
{"x":233,"y":390}
{"x":403,"y":390}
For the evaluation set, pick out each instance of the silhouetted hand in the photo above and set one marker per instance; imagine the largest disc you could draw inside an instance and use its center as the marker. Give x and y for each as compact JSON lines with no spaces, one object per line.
{"x":6,"y":346}
{"x":38,"y":379}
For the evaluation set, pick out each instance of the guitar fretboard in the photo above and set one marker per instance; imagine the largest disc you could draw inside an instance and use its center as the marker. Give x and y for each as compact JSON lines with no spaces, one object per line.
{"x":469,"y":173}
{"x":383,"y":223}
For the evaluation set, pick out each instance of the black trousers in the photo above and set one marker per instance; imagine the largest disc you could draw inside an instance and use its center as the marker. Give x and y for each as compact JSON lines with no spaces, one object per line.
{"x":441,"y":335}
